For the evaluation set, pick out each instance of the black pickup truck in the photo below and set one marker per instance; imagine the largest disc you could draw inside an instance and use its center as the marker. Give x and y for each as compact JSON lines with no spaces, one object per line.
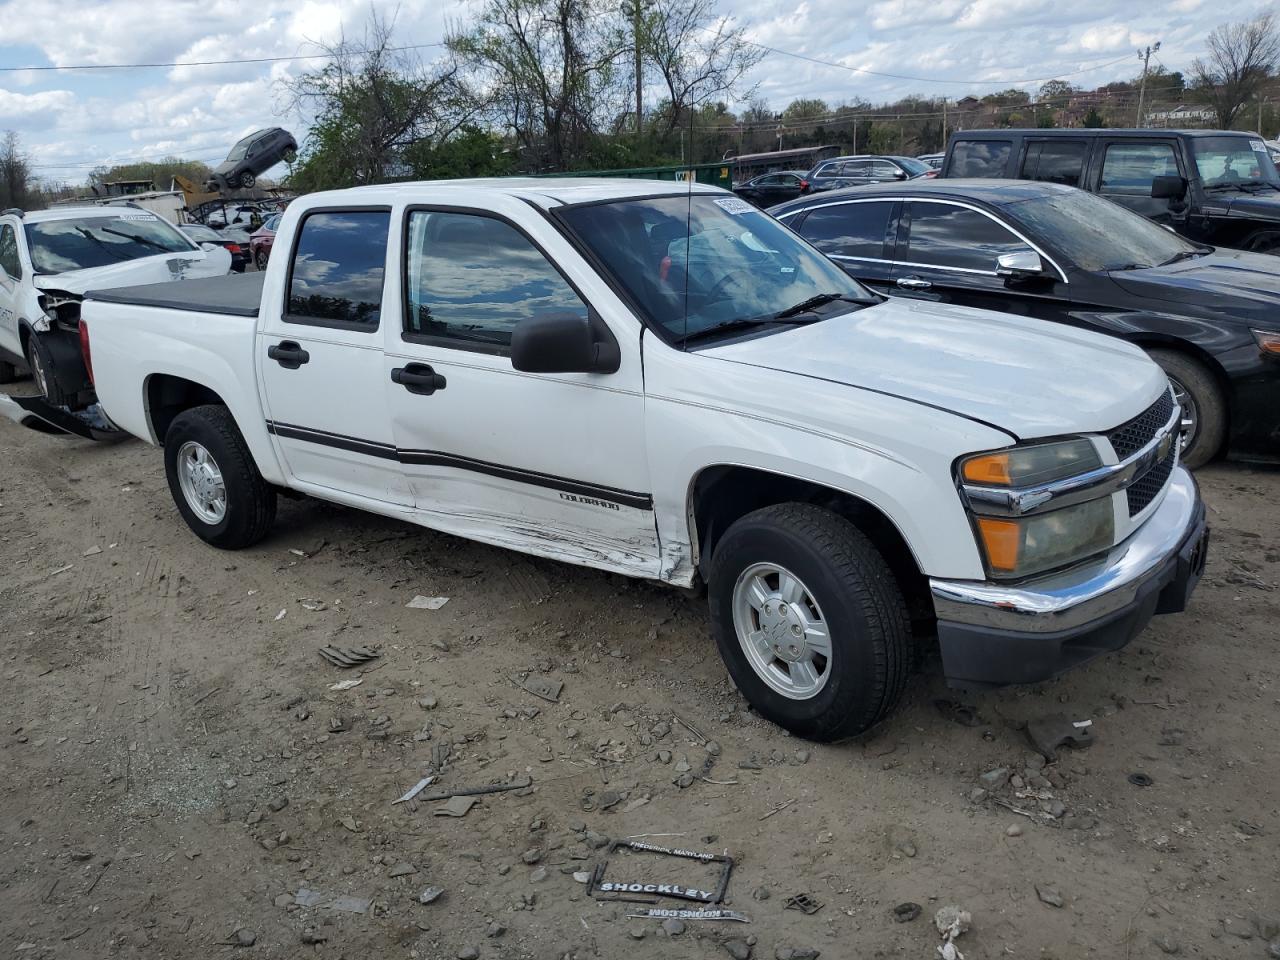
{"x":1212,"y":186}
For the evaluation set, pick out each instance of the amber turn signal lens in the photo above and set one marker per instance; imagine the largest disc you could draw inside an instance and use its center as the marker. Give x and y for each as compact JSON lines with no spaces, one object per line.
{"x":1001,"y":538}
{"x":1268,"y":343}
{"x":991,"y":469}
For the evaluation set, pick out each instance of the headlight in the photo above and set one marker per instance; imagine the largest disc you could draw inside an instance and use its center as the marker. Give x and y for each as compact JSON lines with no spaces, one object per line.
{"x":1268,"y":342}
{"x":1016,"y":497}
{"x":1027,"y":545}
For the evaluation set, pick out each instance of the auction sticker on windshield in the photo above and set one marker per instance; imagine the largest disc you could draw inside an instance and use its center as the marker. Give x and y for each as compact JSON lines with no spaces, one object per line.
{"x":137,"y":216}
{"x":1258,"y":146}
{"x":734,"y":205}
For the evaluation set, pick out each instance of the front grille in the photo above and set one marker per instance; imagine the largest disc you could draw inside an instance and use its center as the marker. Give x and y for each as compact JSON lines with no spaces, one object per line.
{"x":1146,"y":487}
{"x":1129,"y":438}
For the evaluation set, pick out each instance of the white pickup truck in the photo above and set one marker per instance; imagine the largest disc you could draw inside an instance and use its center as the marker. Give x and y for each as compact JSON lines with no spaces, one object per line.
{"x":661,"y":381}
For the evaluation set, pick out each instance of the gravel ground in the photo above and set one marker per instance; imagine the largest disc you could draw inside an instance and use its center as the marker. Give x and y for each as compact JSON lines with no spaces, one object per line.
{"x":178,"y":765}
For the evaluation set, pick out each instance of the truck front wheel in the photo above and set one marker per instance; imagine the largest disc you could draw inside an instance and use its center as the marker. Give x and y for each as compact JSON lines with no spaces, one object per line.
{"x":809,"y":620}
{"x":214,"y":481}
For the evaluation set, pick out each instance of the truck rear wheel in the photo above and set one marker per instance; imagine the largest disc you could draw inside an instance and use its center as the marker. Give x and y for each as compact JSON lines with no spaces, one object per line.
{"x":809,"y":620}
{"x":214,"y":481}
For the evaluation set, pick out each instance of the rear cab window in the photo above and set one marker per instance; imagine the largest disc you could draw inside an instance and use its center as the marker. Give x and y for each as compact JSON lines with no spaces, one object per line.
{"x":337,"y":270}
{"x":980,"y":158}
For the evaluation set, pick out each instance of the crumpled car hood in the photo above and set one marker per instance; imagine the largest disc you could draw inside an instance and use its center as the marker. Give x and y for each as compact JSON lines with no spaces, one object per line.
{"x":161,"y":268}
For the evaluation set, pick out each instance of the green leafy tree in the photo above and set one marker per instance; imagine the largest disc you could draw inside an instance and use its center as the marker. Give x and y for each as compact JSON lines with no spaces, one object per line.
{"x":1093,"y":119}
{"x":160,"y":173}
{"x":471,"y":152}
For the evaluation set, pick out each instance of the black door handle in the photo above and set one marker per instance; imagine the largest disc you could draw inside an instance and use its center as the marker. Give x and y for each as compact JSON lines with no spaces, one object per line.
{"x":418,"y":378}
{"x":288,"y":354}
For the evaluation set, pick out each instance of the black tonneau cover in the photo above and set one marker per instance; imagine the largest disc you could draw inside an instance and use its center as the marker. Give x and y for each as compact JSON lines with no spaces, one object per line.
{"x":236,"y":294}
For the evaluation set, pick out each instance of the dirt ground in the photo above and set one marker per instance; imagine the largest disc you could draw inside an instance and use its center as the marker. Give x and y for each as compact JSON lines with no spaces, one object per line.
{"x":172,"y":776}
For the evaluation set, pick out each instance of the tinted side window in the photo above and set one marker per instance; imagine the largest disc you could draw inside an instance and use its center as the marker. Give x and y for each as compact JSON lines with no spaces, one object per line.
{"x":980,"y":158}
{"x":849,"y":229}
{"x":471,"y":279}
{"x":884,"y":170}
{"x":1129,"y":168}
{"x":1057,"y":161}
{"x":337,"y":271}
{"x":947,"y":236}
{"x":9,"y":252}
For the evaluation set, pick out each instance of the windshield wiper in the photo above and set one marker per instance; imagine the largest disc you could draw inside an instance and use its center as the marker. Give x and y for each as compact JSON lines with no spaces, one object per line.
{"x":744,"y":323}
{"x":142,"y":240}
{"x":1129,"y":266}
{"x":814,"y":301}
{"x":98,"y":240}
{"x":1184,"y":255}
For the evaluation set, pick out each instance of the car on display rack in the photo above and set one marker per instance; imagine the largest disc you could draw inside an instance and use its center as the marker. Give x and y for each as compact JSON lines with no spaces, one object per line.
{"x":233,"y":244}
{"x":662,"y":381}
{"x":1042,"y":251}
{"x":1212,"y":186}
{"x":49,"y":259}
{"x":841,"y":172}
{"x":772,"y":188}
{"x":251,"y":157}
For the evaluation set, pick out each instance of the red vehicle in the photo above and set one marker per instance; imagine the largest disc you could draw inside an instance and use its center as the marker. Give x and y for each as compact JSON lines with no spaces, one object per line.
{"x":261,"y":239}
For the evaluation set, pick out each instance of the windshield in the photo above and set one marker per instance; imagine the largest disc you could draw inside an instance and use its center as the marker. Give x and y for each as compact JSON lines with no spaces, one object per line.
{"x":200,"y":234}
{"x":1228,"y":161}
{"x":75,"y":244}
{"x":242,"y":146}
{"x":1096,"y":234}
{"x":912,"y":166}
{"x":700,"y":261}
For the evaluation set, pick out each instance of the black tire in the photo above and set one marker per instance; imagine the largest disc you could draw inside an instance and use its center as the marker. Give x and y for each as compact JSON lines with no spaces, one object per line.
{"x":871,"y":646}
{"x":290,"y":155}
{"x":1210,"y":405}
{"x":250,"y":500}
{"x":247,"y":180}
{"x":41,"y":365}
{"x":8,"y":372}
{"x":260,"y":258}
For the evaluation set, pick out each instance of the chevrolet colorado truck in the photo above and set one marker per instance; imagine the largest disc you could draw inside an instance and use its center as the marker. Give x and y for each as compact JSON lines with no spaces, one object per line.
{"x":661,"y":381}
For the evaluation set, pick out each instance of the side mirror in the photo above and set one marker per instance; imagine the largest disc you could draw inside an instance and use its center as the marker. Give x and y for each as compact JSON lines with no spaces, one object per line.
{"x":209,"y":246}
{"x":1168,"y":188}
{"x":900,"y":175}
{"x":1019,"y":265}
{"x":564,"y":343}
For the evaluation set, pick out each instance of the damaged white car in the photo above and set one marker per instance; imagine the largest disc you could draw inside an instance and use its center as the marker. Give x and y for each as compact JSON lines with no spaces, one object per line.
{"x":48,"y":260}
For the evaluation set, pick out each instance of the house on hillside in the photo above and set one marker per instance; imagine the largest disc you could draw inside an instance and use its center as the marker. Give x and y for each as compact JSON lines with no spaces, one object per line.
{"x":1184,"y":114}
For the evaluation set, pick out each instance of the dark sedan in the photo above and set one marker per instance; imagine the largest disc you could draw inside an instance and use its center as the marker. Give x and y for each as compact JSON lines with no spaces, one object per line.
{"x":199,"y":233}
{"x":1209,"y":317}
{"x":252,"y":156}
{"x":770,"y":188}
{"x":841,"y":172}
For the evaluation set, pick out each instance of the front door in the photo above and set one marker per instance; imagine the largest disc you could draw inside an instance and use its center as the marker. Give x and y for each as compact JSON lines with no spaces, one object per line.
{"x":1130,"y":167}
{"x":946,"y":252}
{"x":320,"y":361}
{"x":552,"y":464}
{"x":10,"y":276}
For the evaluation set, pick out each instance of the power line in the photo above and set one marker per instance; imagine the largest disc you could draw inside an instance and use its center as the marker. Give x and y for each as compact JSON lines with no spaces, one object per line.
{"x":205,"y":63}
{"x":898,"y":76}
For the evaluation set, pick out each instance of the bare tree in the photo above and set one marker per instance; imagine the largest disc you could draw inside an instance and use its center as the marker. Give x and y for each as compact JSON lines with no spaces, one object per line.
{"x":1241,"y":58}
{"x":371,"y":102}
{"x":700,"y":55}
{"x":15,"y":173}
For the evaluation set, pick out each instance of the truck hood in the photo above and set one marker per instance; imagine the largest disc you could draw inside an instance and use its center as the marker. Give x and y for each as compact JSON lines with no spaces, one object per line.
{"x":1261,"y":204}
{"x":1027,"y":377}
{"x":1235,"y":283}
{"x":158,"y":269}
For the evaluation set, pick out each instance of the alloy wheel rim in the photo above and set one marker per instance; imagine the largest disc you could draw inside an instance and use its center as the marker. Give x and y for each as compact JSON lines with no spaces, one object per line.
{"x":201,"y":481}
{"x":1190,"y":425}
{"x":782,"y":631}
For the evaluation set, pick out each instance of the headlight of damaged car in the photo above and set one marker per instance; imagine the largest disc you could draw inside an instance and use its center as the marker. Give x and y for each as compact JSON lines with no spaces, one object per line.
{"x":1028,"y":536}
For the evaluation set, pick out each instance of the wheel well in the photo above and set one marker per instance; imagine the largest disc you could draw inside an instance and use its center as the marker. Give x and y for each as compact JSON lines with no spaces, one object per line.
{"x":722,"y":494}
{"x":1195,"y":353}
{"x":167,"y":396}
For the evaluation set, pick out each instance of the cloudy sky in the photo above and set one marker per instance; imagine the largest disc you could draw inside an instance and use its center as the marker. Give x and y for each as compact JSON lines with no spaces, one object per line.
{"x":72,"y":120}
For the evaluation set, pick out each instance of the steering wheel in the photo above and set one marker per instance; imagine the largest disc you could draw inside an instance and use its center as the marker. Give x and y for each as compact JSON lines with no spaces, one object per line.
{"x":717,"y":292}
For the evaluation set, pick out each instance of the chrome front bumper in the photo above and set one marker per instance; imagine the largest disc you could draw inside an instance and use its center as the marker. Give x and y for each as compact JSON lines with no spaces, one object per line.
{"x":996,"y":633}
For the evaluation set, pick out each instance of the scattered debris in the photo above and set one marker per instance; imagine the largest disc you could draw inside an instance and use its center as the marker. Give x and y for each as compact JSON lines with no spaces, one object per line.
{"x":332,"y":901}
{"x":312,"y":604}
{"x":431,"y":894}
{"x":1139,"y":779}
{"x":347,"y":657}
{"x":350,"y":823}
{"x":346,"y":684}
{"x":1049,"y":733}
{"x":597,"y":884}
{"x":243,"y":937}
{"x":804,"y":903}
{"x":690,"y":727}
{"x":950,"y":922}
{"x":426,"y":603}
{"x":777,"y":807}
{"x":456,"y":807}
{"x":92,"y":552}
{"x":1013,"y":830}
{"x":540,"y":686}
{"x":906,"y":912}
{"x":738,"y":949}
{"x":1050,"y":896}
{"x":960,"y":713}
{"x":658,"y":913}
{"x":311,"y":937}
{"x":282,"y":614}
{"x":479,"y":791}
{"x":416,"y":789}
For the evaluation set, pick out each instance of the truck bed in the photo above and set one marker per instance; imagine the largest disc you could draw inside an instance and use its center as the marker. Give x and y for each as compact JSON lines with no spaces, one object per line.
{"x":236,"y":294}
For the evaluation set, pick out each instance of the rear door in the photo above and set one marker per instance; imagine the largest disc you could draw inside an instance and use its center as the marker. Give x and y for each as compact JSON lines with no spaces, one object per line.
{"x":1055,"y":160}
{"x":1127,"y":170}
{"x":856,"y":234}
{"x":979,"y":158}
{"x":319,"y":357}
{"x":947,"y":251}
{"x":554,"y":464}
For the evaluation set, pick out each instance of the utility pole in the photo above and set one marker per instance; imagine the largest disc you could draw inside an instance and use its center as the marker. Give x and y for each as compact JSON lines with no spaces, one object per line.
{"x":638,"y":48}
{"x":944,"y":123}
{"x":1145,"y":57}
